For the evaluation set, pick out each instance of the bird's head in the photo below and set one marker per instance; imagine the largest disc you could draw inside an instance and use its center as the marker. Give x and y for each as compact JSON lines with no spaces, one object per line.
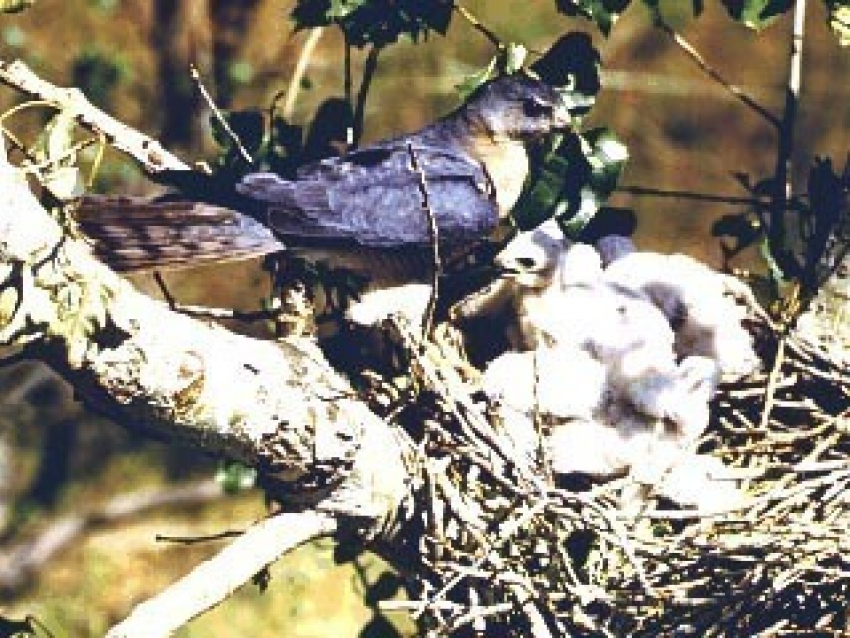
{"x":523,"y":108}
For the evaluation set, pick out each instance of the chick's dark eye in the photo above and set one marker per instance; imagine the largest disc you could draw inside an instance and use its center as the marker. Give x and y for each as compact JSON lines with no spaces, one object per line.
{"x":536,"y":108}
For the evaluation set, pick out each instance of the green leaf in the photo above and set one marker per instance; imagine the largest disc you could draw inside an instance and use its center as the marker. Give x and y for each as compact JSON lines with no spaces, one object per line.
{"x":839,"y":20}
{"x":603,"y":12}
{"x":14,"y":6}
{"x":757,"y":14}
{"x":575,"y":179}
{"x":471,"y":82}
{"x":235,"y":477}
{"x":377,"y":22}
{"x":56,"y":140}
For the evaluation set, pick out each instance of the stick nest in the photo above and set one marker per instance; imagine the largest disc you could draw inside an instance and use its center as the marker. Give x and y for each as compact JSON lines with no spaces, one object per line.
{"x":498,"y":545}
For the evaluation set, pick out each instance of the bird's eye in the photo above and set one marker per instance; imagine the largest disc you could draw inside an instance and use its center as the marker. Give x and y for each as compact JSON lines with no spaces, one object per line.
{"x":534,"y":107}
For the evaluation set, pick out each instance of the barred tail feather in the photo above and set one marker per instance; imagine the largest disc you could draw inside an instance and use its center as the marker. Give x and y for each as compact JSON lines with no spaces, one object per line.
{"x":135,"y":234}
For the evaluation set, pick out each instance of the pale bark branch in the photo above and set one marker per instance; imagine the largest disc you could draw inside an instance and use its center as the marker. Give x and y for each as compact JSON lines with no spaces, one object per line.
{"x":214,"y":580}
{"x":147,"y":151}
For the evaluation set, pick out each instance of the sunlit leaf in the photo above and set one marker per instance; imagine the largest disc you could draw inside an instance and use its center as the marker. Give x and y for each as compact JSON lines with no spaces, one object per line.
{"x":473,"y":81}
{"x":603,"y":12}
{"x":13,"y":6}
{"x":839,"y":20}
{"x":757,"y":14}
{"x":235,"y":477}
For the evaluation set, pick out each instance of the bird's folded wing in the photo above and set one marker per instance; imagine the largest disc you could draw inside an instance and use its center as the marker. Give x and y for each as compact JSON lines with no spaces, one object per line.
{"x":374,"y":197}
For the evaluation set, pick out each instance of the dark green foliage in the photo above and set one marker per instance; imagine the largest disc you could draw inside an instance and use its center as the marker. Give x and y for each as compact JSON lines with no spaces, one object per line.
{"x":378,"y":22}
{"x":98,"y":74}
{"x":575,"y":177}
{"x":572,"y":61}
{"x":826,"y":214}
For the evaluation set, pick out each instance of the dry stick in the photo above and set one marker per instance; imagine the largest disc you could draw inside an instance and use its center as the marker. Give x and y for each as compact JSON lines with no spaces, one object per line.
{"x":300,"y":70}
{"x":196,"y":78}
{"x":701,"y":62}
{"x":214,"y":580}
{"x":145,"y":150}
{"x":360,"y":108}
{"x":434,"y":240}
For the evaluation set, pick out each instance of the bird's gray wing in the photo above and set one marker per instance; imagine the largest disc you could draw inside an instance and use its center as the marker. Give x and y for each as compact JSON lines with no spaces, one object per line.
{"x":373,"y":197}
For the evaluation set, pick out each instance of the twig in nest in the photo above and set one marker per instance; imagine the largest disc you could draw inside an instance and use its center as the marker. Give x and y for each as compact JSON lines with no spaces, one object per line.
{"x":434,"y":239}
{"x":196,"y":78}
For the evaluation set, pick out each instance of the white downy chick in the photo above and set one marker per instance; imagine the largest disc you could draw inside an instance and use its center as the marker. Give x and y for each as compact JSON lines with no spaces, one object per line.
{"x":539,"y":265}
{"x":692,"y":297}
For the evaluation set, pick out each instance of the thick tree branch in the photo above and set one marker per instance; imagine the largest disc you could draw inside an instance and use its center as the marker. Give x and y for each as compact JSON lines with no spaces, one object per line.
{"x":276,"y":406}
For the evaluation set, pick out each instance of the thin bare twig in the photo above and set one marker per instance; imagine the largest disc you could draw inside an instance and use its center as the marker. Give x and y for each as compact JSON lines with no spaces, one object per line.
{"x":434,"y":239}
{"x":196,"y":78}
{"x":301,"y":64}
{"x":700,"y":197}
{"x":709,"y":70}
{"x":476,"y":24}
{"x":23,"y":562}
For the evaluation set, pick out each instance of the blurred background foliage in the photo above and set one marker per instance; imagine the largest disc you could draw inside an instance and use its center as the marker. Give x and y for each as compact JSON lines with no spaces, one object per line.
{"x":684,"y":133}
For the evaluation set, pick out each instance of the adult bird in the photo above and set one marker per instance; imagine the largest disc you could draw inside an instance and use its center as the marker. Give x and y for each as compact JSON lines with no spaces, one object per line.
{"x":362,"y":211}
